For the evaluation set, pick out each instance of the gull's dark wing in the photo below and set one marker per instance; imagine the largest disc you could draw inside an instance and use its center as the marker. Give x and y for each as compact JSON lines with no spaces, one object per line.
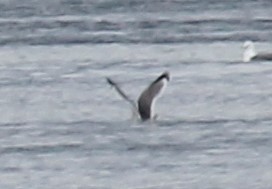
{"x":263,"y":56}
{"x":149,"y":94}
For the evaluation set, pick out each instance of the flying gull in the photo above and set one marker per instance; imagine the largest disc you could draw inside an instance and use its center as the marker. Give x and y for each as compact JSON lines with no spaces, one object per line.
{"x":145,"y":105}
{"x":251,"y":54}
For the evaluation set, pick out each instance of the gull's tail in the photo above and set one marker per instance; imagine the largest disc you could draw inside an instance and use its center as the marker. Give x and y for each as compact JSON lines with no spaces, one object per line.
{"x":123,"y":95}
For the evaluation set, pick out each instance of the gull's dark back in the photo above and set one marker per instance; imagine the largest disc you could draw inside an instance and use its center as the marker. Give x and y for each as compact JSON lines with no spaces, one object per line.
{"x":263,"y":56}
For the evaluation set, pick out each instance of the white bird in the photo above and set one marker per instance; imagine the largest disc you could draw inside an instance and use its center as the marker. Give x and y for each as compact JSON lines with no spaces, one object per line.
{"x":251,"y":54}
{"x":147,"y":99}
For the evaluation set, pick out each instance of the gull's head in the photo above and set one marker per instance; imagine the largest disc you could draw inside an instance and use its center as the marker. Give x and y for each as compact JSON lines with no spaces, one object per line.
{"x":166,"y":75}
{"x":248,"y":45}
{"x":249,"y":51}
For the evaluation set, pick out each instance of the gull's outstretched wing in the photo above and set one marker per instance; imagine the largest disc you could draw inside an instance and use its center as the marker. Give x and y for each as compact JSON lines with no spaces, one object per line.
{"x":146,"y":99}
{"x":122,"y":93}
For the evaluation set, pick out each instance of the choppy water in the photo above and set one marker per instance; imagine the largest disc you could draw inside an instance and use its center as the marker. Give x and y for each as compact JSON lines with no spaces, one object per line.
{"x":62,"y":126}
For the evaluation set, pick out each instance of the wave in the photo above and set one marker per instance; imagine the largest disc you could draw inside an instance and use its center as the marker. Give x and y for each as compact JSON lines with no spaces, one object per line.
{"x":84,"y":30}
{"x":127,"y":39}
{"x":41,"y":148}
{"x":216,"y":121}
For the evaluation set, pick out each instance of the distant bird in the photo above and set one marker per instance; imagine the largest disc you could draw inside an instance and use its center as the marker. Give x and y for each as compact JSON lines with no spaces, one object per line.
{"x":251,"y":54}
{"x":147,"y":99}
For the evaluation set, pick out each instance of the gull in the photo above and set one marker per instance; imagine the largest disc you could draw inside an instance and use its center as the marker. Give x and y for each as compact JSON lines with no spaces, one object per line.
{"x":251,"y":54}
{"x":146,"y":102}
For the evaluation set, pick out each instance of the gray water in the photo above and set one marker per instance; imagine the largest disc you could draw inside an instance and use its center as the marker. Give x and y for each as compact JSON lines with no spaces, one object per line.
{"x":62,"y":126}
